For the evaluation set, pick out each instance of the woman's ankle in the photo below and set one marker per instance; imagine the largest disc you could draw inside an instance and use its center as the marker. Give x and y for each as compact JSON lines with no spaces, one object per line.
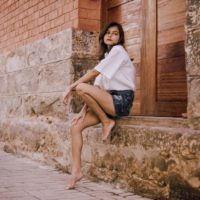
{"x":106,"y":121}
{"x":77,"y":173}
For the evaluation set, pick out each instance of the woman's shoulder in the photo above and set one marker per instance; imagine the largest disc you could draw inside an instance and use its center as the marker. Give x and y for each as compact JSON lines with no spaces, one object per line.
{"x":117,"y":49}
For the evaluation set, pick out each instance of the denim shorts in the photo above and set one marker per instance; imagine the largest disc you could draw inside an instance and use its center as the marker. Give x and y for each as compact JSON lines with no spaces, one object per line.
{"x":123,"y":100}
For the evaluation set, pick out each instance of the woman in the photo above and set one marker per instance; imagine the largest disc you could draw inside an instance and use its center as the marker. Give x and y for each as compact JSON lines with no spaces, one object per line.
{"x":111,"y":95}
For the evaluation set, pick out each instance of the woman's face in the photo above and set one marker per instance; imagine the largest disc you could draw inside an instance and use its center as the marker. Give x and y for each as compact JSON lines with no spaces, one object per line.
{"x":112,"y":36}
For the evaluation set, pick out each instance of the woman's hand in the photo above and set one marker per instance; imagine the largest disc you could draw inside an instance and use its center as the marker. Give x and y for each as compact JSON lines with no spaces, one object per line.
{"x":79,"y":116}
{"x":67,"y":94}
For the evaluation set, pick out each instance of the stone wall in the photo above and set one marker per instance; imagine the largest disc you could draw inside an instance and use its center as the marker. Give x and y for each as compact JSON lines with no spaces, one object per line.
{"x":33,"y":78}
{"x":193,"y":62}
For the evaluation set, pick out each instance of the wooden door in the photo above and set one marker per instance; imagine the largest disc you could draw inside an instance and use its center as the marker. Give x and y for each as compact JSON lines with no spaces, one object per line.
{"x":154,"y":31}
{"x":164,"y":91}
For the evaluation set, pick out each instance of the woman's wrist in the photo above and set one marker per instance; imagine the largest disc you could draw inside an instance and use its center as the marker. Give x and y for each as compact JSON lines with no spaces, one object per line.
{"x":71,"y":87}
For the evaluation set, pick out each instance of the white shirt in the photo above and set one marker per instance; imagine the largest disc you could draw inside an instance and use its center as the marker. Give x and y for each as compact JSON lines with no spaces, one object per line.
{"x":116,"y":71}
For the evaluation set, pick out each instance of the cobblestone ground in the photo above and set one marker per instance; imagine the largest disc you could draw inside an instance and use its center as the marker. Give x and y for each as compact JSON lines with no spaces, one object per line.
{"x":24,"y":179}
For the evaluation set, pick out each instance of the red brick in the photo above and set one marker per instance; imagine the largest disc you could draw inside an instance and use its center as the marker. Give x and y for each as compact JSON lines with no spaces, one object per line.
{"x":90,"y":4}
{"x":25,"y":21}
{"x":89,"y":25}
{"x":35,"y":15}
{"x":60,"y":11}
{"x":46,"y":26}
{"x":52,"y":1}
{"x":76,"y":23}
{"x":41,"y":5}
{"x":67,"y":25}
{"x":74,"y":14}
{"x":30,"y":10}
{"x":41,"y":20}
{"x":68,"y":7}
{"x":31,"y":25}
{"x":32,"y":3}
{"x":75,"y":4}
{"x":67,"y":17}
{"x":25,"y":35}
{"x":44,"y":11}
{"x":94,"y":14}
{"x":53,"y":14}
{"x":25,"y":6}
{"x":60,"y":20}
{"x":83,"y":13}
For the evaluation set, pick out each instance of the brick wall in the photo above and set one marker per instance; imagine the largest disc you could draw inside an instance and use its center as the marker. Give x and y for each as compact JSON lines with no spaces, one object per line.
{"x":24,"y":21}
{"x":89,"y":14}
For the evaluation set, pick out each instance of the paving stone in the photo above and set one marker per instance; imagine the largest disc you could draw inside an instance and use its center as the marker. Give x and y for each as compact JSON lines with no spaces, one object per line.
{"x":24,"y":179}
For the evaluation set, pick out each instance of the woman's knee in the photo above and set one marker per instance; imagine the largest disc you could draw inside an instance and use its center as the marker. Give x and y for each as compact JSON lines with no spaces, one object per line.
{"x":81,"y":87}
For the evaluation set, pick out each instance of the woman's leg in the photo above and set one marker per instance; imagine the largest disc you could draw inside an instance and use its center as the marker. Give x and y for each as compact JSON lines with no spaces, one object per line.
{"x":77,"y":143}
{"x":100,"y":102}
{"x":103,"y":98}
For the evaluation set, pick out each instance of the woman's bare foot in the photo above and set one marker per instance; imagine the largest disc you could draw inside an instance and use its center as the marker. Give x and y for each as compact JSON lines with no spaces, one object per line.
{"x":107,"y":127}
{"x":73,"y":180}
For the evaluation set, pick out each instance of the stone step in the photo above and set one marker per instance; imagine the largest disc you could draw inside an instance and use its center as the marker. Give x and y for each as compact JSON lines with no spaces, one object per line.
{"x":149,"y":160}
{"x":171,"y":122}
{"x":145,"y":154}
{"x":128,"y":135}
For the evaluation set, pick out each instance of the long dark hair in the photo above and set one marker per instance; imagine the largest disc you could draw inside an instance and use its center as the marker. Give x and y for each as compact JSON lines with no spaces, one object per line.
{"x":102,"y":46}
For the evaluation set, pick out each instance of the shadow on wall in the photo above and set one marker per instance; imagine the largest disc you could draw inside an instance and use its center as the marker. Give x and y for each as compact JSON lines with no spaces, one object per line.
{"x":181,"y":190}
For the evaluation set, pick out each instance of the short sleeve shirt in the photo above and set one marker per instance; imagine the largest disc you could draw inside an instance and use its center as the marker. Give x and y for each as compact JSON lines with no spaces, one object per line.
{"x":117,"y":72}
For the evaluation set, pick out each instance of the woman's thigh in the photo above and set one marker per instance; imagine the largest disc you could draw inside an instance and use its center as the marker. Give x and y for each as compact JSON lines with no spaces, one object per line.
{"x":103,"y":98}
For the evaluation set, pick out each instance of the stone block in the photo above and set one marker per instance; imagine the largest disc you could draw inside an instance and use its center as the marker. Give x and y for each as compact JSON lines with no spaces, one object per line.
{"x":3,"y":84}
{"x":54,"y":48}
{"x":87,"y":153}
{"x":2,"y":64}
{"x":193,"y":52}
{"x":193,"y":10}
{"x":194,"y":102}
{"x":85,"y":43}
{"x":11,"y":106}
{"x":49,"y":104}
{"x":143,"y":157}
{"x":38,"y":135}
{"x":25,"y":81}
{"x":54,"y":77}
{"x":16,"y":59}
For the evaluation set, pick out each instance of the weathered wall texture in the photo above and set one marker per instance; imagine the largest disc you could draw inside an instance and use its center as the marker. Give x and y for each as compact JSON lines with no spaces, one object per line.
{"x":193,"y":62}
{"x":33,"y":79}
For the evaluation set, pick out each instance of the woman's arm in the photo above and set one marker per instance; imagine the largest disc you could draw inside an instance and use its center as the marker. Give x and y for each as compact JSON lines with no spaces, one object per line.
{"x":80,"y":115}
{"x":87,"y":77}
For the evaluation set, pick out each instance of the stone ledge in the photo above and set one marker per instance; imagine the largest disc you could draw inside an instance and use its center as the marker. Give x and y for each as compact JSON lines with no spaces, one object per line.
{"x":154,"y":121}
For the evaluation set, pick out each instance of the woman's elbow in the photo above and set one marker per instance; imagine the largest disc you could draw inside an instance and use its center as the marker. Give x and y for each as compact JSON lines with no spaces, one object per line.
{"x":95,"y":73}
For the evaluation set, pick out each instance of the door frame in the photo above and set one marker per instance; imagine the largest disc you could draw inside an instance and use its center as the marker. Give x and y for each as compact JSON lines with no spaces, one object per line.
{"x":148,"y":59}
